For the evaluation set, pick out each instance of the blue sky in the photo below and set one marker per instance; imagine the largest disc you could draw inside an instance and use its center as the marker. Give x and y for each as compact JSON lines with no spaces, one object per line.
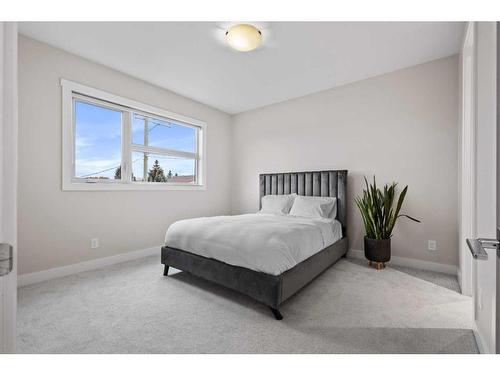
{"x":98,"y":142}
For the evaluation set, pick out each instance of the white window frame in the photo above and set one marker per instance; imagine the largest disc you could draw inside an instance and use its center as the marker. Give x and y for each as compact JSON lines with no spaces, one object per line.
{"x":72,"y":90}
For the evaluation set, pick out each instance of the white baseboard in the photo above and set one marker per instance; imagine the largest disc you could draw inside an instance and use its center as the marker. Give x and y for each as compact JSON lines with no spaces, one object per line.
{"x":53,"y":273}
{"x":459,"y":277}
{"x":411,"y":263}
{"x":482,"y":345}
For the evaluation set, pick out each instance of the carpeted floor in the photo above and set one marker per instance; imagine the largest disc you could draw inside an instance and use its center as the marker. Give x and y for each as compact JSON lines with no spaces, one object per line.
{"x":441,"y":279}
{"x":132,"y":308}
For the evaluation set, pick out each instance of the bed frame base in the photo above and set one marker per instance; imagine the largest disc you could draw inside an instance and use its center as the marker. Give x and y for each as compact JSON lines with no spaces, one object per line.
{"x":276,"y":313}
{"x":271,"y":290}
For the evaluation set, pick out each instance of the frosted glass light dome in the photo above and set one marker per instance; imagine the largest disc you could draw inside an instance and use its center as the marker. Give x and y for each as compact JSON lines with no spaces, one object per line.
{"x":243,"y":37}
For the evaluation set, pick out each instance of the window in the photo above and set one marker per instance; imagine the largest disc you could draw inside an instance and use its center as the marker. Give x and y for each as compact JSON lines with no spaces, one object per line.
{"x":98,"y":140}
{"x":113,"y":143}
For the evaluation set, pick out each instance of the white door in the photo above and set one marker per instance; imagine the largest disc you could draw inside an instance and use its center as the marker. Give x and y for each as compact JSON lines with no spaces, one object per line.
{"x":487,"y":218}
{"x":8,"y":185}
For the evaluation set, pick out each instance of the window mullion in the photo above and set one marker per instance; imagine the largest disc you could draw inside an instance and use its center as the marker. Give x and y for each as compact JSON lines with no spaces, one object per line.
{"x":199,"y":171}
{"x":126,"y":165}
{"x":164,"y":151}
{"x":146,"y":156}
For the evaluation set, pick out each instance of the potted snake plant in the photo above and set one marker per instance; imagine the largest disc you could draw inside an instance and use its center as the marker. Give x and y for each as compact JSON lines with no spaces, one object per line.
{"x":379,"y":217}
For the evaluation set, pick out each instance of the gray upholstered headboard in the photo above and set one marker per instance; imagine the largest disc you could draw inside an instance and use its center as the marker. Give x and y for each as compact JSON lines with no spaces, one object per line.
{"x":317,"y":184}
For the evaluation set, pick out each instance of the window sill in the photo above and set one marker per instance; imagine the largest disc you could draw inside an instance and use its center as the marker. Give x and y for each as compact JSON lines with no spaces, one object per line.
{"x":85,"y":186}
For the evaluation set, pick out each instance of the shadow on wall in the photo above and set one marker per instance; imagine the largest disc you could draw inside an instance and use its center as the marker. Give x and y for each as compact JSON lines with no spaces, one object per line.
{"x":355,"y":229}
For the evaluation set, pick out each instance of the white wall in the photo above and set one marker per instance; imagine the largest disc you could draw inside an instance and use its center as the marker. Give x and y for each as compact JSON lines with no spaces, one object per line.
{"x":401,"y":126}
{"x":55,"y":227}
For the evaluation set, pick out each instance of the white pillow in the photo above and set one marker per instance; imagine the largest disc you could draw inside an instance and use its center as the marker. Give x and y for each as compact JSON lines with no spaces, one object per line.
{"x":325,"y":207}
{"x":277,"y":204}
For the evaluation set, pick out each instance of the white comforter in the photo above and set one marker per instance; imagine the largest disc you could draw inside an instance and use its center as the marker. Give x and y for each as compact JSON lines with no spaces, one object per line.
{"x":263,"y":242}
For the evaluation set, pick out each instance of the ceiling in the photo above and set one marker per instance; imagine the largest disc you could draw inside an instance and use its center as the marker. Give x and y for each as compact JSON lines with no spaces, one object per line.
{"x":295,"y":59}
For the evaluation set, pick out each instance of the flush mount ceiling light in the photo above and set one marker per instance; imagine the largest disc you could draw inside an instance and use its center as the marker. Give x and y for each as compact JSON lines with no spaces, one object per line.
{"x":243,"y":37}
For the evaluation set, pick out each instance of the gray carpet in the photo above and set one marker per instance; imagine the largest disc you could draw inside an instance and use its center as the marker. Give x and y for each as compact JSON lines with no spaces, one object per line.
{"x":132,"y":308}
{"x":442,"y":279}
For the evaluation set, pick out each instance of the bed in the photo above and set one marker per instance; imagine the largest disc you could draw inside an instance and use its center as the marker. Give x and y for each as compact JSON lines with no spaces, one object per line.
{"x":234,"y":251}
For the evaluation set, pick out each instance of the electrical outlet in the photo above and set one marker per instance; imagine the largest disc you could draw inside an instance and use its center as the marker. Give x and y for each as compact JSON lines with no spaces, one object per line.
{"x":94,"y":243}
{"x":431,"y":245}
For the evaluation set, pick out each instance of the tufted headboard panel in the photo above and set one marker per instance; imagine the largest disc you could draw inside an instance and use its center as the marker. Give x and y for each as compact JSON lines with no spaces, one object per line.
{"x":331,"y":183}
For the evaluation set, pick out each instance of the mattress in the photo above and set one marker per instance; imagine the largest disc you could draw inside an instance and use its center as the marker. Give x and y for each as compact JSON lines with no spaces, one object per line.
{"x":266,"y":243}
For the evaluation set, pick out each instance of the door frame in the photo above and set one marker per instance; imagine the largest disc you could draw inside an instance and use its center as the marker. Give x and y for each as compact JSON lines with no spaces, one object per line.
{"x":497,"y":312}
{"x":467,"y":203}
{"x":8,"y":180}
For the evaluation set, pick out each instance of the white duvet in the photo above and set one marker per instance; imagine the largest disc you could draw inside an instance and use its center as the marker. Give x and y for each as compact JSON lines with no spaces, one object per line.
{"x":262,"y":242}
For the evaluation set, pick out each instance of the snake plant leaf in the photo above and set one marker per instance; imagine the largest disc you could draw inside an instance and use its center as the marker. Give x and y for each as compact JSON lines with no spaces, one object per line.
{"x":377,"y":210}
{"x":411,"y":218}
